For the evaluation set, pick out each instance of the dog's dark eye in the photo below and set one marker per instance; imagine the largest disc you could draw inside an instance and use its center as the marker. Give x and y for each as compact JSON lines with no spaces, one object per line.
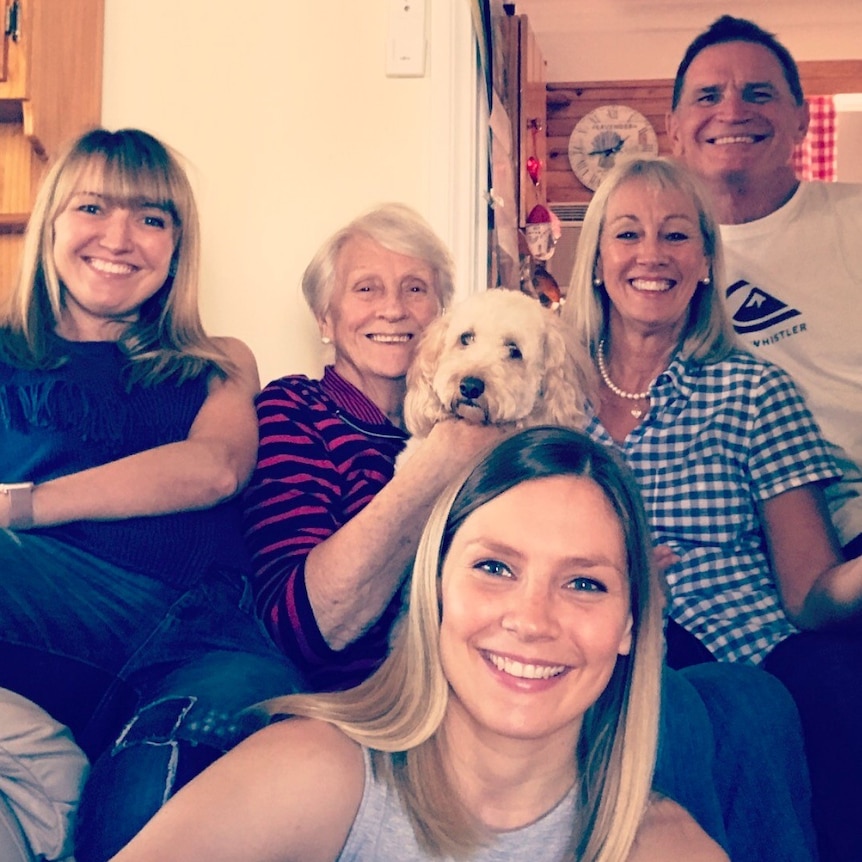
{"x":467,"y":338}
{"x":514,"y":351}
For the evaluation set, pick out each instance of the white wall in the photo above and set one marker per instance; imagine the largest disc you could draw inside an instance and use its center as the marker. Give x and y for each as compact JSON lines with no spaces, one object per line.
{"x":291,"y":127}
{"x":849,"y":135}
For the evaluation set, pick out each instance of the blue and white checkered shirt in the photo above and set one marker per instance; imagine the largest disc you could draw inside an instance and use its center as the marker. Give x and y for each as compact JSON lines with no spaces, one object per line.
{"x":719,"y":440}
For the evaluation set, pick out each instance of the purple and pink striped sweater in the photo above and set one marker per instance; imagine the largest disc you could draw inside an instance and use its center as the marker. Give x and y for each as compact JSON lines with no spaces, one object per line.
{"x":325,"y":451}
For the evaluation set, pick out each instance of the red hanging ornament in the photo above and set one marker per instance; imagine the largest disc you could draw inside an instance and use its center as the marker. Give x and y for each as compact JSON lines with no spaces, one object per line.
{"x":534,"y":163}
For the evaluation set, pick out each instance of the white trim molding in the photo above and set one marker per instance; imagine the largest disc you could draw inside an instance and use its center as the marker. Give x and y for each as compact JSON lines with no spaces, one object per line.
{"x":459,"y":143}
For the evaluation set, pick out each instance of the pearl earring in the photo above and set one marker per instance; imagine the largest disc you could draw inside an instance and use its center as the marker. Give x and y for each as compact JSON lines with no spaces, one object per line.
{"x":597,"y":282}
{"x":706,"y":281}
{"x":326,"y":340}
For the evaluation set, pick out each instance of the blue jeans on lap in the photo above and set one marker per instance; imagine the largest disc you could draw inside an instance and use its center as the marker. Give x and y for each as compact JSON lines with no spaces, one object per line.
{"x":731,"y":752}
{"x":164,"y":673}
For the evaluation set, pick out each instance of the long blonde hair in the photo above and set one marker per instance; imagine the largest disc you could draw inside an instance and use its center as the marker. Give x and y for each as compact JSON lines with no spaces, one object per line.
{"x":398,"y":711}
{"x":168,"y":338}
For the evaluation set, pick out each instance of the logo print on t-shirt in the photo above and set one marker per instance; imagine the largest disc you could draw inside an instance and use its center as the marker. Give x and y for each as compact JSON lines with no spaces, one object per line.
{"x":758,"y":309}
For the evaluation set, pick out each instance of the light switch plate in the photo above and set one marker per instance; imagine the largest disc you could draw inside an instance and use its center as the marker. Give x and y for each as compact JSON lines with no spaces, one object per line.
{"x":406,"y":43}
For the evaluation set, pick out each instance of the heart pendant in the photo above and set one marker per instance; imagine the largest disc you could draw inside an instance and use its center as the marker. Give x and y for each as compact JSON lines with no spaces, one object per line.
{"x":637,"y":413}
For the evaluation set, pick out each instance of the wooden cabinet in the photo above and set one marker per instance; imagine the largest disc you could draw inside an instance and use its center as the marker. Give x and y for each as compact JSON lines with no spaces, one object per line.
{"x":525,"y":100}
{"x":50,"y":91}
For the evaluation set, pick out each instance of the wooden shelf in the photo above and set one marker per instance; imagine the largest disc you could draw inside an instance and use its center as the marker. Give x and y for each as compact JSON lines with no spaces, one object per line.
{"x":13,"y":222}
{"x":50,"y":91}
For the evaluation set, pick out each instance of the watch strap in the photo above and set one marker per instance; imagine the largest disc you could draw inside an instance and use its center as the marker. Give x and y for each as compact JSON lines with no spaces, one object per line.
{"x":20,"y":497}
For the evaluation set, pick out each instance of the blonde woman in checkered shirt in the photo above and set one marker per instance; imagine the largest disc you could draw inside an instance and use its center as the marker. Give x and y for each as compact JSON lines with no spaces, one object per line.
{"x":729,"y":460}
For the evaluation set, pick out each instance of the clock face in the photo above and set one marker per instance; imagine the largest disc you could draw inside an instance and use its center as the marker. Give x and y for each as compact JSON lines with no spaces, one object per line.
{"x":605,"y":134}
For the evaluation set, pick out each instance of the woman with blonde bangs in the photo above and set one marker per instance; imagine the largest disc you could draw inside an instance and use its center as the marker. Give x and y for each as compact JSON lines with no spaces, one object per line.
{"x":709,"y":335}
{"x":126,"y":433}
{"x":168,"y":330}
{"x":516,"y":716}
{"x":731,"y":466}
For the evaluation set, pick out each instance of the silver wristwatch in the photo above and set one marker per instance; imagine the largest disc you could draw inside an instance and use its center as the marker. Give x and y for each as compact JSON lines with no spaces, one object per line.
{"x":20,"y":496}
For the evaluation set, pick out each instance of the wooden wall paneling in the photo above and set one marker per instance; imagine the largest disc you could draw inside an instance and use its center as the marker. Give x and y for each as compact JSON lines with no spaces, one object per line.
{"x":828,"y":77}
{"x":568,"y":102}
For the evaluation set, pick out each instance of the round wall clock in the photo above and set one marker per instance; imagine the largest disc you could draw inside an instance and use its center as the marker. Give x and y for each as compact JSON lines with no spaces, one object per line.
{"x":604,"y":134}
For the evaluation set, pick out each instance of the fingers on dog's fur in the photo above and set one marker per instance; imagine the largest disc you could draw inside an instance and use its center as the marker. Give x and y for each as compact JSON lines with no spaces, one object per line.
{"x":422,"y":407}
{"x":566,"y":382}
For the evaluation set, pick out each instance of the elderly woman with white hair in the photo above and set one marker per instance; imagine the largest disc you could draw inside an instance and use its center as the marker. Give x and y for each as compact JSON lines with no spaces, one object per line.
{"x":331,"y":531}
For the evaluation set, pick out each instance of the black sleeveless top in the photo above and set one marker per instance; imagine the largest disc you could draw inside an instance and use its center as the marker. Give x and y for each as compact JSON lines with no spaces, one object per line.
{"x":81,"y":415}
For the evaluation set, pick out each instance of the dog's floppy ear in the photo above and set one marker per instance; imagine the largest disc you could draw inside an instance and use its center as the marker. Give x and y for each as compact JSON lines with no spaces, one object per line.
{"x":422,"y":407}
{"x":567,"y":381}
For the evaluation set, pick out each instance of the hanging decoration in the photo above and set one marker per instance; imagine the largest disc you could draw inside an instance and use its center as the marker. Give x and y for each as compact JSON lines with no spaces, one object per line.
{"x":534,"y":163}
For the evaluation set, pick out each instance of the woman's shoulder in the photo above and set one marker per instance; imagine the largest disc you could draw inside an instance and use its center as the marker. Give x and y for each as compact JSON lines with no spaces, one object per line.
{"x":311,"y":742}
{"x":300,"y":782}
{"x":235,"y":350}
{"x":297,"y":397}
{"x":668,"y":831}
{"x":295,"y":385}
{"x":742,"y":377}
{"x":314,"y":773}
{"x":241,"y":364}
{"x":742,"y":363}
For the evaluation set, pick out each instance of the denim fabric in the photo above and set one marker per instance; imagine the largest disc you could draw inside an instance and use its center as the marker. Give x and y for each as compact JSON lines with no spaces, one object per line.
{"x":188,"y":719}
{"x":686,"y":755}
{"x":760,"y":770}
{"x":165,"y":673}
{"x":823,"y":671}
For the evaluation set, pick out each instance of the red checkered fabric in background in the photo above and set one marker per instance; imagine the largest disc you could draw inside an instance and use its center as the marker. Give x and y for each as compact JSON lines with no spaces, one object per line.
{"x":816,"y":157}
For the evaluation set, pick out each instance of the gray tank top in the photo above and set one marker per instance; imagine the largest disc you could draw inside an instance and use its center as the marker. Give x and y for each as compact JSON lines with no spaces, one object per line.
{"x":382,"y":832}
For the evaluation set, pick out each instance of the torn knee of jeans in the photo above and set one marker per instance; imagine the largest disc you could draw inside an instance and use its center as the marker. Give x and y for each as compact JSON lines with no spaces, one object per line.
{"x":175,"y":719}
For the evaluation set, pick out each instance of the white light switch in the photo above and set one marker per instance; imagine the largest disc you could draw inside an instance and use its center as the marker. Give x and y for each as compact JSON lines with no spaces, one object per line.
{"x":405,"y":42}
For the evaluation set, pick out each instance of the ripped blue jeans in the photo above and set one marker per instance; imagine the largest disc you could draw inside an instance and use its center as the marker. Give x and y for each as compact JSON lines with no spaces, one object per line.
{"x":151,"y":680}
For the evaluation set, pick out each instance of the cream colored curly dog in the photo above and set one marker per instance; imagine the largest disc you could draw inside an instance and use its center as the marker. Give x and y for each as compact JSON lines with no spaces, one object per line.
{"x":497,"y":357}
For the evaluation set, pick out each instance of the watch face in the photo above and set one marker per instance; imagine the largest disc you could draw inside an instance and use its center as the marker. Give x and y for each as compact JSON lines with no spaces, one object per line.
{"x":605,"y":134}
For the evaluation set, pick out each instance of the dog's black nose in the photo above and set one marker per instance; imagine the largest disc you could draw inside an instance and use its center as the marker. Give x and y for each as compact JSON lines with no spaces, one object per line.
{"x":472,"y":387}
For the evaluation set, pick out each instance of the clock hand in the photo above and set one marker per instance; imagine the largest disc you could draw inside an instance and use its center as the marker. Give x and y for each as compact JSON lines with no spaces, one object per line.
{"x":607,"y":152}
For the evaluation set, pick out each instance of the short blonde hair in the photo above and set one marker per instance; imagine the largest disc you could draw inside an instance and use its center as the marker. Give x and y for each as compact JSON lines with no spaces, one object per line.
{"x":128,"y":165}
{"x":400,"y":708}
{"x":708,"y":336}
{"x":397,"y":228}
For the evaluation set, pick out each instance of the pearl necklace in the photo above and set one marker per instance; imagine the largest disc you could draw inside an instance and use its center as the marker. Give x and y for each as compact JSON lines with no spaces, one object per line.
{"x":620,"y":393}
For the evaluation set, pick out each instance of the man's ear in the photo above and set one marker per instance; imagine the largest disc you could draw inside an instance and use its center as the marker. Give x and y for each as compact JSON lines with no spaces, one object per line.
{"x":804,"y":121}
{"x":671,"y":124}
